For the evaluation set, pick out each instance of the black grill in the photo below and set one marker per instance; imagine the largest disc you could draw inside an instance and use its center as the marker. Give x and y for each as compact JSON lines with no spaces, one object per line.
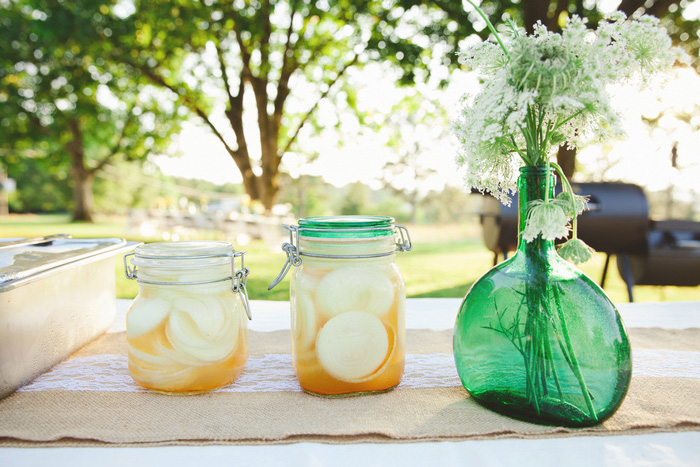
{"x":672,"y":256}
{"x":617,"y":222}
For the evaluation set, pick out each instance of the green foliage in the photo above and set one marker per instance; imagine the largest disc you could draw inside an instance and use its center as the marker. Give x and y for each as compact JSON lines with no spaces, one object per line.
{"x":64,"y":101}
{"x":88,"y":64}
{"x":41,"y":187}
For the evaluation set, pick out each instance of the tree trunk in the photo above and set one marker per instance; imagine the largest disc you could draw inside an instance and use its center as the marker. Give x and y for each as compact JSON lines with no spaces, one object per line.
{"x":533,"y":11}
{"x":82,"y":191}
{"x":269,"y":187}
{"x":566,"y":158}
{"x":82,"y":177}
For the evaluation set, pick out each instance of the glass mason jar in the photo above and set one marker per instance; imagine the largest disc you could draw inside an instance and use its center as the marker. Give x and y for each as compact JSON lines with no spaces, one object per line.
{"x":538,"y":340}
{"x":348,"y":303}
{"x":186,"y":329}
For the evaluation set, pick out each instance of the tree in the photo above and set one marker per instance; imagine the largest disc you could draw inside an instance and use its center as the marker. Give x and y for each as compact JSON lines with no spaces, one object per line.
{"x":224,"y":59}
{"x":355,"y":201}
{"x":44,"y":185}
{"x":213,"y":55}
{"x":64,"y":102}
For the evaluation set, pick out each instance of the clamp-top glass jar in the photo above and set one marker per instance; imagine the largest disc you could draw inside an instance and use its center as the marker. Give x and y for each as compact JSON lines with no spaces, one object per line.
{"x":347,"y":303}
{"x":186,"y":329}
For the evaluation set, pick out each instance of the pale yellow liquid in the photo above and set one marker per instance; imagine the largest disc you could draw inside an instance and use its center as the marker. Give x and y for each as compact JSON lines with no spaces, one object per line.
{"x":310,"y":372}
{"x":164,"y":368}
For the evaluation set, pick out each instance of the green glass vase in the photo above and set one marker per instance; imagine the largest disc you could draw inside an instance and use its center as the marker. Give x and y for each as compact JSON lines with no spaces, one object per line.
{"x":536,"y":339}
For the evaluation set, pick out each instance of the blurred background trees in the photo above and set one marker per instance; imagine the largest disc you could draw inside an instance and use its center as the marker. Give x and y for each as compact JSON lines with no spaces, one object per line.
{"x":70,"y":108}
{"x":88,"y":87}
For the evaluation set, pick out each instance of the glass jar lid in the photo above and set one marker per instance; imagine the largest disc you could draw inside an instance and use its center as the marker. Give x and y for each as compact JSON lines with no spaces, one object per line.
{"x":347,"y":226}
{"x":341,"y":227}
{"x":183,"y":254}
{"x":186,"y":256}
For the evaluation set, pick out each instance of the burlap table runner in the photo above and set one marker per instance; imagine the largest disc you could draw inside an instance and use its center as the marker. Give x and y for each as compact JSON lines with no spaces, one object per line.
{"x":89,"y":399}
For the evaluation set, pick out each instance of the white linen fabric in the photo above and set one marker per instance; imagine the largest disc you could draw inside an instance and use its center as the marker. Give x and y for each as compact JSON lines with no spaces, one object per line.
{"x":273,"y":372}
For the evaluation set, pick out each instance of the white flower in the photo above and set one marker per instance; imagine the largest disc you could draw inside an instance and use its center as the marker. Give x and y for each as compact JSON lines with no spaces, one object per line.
{"x":579,"y":204}
{"x":546,"y":219}
{"x":545,"y":89}
{"x":576,"y":251}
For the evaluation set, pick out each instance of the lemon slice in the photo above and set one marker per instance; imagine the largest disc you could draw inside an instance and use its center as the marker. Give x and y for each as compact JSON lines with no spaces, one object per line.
{"x":144,"y":315}
{"x":157,"y":370}
{"x":355,"y":288}
{"x":352,"y":346}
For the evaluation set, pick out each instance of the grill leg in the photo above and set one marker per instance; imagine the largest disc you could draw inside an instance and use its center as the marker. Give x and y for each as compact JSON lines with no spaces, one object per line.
{"x":495,"y":257}
{"x":605,"y":271}
{"x":629,"y":280}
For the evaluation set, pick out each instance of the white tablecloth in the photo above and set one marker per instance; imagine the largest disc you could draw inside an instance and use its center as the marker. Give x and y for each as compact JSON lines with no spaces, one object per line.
{"x":652,"y":449}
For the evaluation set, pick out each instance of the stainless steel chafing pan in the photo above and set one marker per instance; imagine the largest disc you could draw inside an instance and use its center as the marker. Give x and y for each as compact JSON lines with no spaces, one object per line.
{"x":56,"y":295}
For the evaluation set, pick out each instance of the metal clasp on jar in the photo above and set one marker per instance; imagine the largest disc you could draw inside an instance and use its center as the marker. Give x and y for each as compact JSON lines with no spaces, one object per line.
{"x":238,"y":277}
{"x":294,"y":254}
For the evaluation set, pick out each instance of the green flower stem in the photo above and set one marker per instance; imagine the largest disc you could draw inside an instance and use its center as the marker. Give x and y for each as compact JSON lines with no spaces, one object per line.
{"x":513,"y":146}
{"x":547,"y":186}
{"x":542,"y":329}
{"x":493,"y":30}
{"x":550,"y":358}
{"x":543,"y":141}
{"x":574,"y":362}
{"x":567,"y":187}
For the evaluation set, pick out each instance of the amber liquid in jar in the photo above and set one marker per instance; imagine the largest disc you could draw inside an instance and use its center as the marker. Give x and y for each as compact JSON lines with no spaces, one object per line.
{"x":186,"y":338}
{"x":348,"y":317}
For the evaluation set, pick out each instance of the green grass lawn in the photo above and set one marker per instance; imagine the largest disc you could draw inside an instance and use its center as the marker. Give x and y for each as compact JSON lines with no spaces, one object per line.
{"x":445,"y":260}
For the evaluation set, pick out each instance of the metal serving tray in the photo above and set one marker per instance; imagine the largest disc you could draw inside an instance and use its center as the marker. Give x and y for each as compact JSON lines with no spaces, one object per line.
{"x":55,"y":297}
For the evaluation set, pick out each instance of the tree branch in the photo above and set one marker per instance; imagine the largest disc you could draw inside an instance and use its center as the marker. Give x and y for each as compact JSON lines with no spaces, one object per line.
{"x":318,"y":101}
{"x":265,"y":39}
{"x":224,"y":74}
{"x":533,"y":11}
{"x":562,"y":6}
{"x":245,"y":54}
{"x":290,"y":30}
{"x":659,"y":8}
{"x":116,"y":149}
{"x":287,"y":69}
{"x":187,"y":100}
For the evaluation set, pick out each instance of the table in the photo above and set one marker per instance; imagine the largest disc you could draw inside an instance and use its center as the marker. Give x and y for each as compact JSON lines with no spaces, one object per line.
{"x":437,"y":314}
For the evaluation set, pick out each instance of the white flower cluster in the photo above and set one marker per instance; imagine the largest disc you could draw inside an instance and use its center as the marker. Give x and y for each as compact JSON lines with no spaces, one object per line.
{"x":542,"y":90}
{"x":547,"y":88}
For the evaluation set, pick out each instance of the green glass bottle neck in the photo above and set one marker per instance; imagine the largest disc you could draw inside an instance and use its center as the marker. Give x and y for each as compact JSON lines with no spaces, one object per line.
{"x":532,"y":185}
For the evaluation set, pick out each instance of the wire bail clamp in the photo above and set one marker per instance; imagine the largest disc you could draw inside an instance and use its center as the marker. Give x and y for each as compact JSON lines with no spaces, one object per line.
{"x":238,"y":277}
